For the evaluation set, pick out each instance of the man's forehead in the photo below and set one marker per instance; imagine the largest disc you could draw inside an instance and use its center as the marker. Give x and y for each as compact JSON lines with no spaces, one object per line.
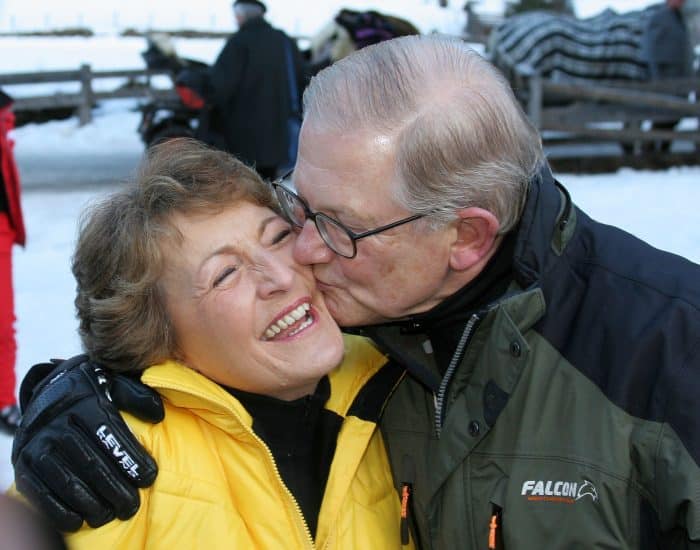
{"x":350,"y":173}
{"x":333,"y":193}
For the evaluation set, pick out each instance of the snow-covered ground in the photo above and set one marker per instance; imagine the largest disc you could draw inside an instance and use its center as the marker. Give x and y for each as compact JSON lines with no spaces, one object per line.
{"x":660,"y":207}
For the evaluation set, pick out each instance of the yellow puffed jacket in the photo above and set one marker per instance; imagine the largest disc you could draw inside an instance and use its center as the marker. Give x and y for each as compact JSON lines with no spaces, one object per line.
{"x":218,"y":486}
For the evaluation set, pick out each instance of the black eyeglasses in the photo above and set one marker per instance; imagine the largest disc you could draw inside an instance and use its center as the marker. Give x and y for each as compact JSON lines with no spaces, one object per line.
{"x":337,"y":237}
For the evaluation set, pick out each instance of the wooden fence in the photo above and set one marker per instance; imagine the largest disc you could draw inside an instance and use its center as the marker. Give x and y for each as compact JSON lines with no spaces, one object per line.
{"x":137,"y":84}
{"x":564,"y":113}
{"x":624,"y":103}
{"x":634,"y":115}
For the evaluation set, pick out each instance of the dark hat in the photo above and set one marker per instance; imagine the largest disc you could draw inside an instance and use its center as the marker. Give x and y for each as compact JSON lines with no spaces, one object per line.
{"x":251,"y":3}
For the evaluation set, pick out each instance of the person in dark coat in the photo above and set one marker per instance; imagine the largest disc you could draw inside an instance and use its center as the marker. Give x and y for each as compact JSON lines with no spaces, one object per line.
{"x":252,"y":93}
{"x":668,"y":51}
{"x":666,"y":42}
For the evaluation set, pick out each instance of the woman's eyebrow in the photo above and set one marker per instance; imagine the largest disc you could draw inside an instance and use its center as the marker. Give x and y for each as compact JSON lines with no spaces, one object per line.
{"x":229,"y":249}
{"x":224,"y":249}
{"x":264,"y":223}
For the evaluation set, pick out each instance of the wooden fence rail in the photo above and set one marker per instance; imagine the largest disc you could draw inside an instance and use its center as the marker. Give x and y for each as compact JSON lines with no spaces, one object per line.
{"x":592,"y":127}
{"x":564,"y":106}
{"x":138,"y":84}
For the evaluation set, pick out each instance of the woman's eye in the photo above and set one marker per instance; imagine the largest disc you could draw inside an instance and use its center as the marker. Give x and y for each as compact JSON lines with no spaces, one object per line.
{"x":279,"y":237}
{"x":221,"y":278}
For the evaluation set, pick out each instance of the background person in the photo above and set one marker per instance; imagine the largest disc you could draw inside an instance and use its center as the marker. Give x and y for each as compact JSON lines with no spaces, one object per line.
{"x":666,"y":43}
{"x":254,"y":98}
{"x":554,"y":361}
{"x":268,"y":440}
{"x":11,"y":233}
{"x":668,"y":50}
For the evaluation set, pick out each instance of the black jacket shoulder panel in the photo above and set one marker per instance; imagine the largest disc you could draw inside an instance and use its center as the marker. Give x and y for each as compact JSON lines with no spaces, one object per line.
{"x":622,"y":312}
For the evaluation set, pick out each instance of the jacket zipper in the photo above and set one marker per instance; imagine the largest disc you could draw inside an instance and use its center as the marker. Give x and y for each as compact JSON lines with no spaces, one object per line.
{"x":309,"y":536}
{"x":439,"y":398}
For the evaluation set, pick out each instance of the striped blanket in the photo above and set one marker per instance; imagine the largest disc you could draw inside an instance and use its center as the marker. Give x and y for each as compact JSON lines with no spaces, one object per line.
{"x":603,"y":48}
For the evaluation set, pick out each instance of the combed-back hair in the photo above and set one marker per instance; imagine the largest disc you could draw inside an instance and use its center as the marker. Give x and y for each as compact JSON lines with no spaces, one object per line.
{"x":119,"y":257}
{"x":461,"y":137}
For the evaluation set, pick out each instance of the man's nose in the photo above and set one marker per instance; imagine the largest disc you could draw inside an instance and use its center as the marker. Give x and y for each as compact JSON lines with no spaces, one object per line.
{"x":309,"y":248}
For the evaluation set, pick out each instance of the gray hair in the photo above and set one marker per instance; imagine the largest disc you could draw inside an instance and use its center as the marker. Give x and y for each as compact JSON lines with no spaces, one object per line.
{"x":246,"y":12}
{"x":462,"y":139}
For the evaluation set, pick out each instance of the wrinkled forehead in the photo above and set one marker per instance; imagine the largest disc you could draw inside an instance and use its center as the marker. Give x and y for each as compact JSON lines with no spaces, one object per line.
{"x":353,"y":173}
{"x":177,"y":228}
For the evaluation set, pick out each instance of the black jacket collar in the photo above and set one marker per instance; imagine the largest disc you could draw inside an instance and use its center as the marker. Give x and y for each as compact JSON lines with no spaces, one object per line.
{"x":256,"y":22}
{"x":546,"y":216}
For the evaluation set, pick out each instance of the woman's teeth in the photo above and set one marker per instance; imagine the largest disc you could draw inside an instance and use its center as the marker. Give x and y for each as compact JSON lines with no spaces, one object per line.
{"x":289,"y":320}
{"x":307,"y":322}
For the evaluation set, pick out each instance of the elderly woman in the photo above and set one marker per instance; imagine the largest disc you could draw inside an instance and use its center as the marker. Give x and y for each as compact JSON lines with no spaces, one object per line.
{"x":270,"y":437}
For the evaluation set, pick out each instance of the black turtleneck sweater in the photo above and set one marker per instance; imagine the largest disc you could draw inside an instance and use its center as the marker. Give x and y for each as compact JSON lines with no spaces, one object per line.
{"x":302,"y":436}
{"x":444,"y":324}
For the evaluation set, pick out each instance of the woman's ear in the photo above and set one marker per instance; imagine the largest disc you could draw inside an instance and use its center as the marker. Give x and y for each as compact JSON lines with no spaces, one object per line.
{"x":476,"y":238}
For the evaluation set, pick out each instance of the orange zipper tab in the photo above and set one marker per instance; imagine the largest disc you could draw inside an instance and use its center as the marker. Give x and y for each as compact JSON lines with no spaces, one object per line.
{"x":493,"y":526}
{"x":405,"y":495}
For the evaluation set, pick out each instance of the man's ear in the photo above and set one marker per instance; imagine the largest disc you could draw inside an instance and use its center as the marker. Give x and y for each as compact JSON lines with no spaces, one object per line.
{"x":476,"y":238}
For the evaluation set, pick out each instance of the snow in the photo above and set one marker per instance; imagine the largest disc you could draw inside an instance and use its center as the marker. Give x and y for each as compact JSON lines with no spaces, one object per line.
{"x":298,"y":18}
{"x":659,"y":207}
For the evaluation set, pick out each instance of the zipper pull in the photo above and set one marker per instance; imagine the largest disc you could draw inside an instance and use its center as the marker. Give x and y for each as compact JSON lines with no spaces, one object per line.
{"x":492,"y":532}
{"x":493,"y":527}
{"x":405,"y":496}
{"x":409,"y":474}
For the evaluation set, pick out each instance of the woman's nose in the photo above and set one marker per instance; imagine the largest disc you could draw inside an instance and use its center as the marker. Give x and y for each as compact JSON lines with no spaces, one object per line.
{"x":276,"y":275}
{"x":309,"y":248}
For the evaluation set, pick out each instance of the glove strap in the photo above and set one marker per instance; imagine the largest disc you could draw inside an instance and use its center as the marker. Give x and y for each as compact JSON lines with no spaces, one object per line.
{"x":41,"y":374}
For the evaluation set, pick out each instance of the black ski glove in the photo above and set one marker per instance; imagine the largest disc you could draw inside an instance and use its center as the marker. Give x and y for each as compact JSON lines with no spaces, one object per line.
{"x":74,"y":457}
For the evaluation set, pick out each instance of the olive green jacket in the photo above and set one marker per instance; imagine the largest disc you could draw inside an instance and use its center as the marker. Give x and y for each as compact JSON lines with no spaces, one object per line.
{"x":573,"y":418}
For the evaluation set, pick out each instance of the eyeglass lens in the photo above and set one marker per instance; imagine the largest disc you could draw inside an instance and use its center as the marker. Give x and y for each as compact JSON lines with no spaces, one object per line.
{"x":291,"y":206}
{"x":333,"y":234}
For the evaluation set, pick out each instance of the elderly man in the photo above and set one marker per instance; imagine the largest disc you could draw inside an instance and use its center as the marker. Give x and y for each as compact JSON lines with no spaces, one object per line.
{"x":554,"y":362}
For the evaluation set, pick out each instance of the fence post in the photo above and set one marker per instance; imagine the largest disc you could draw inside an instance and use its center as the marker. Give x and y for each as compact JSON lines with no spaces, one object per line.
{"x":534,"y":103}
{"x":88,"y":98}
